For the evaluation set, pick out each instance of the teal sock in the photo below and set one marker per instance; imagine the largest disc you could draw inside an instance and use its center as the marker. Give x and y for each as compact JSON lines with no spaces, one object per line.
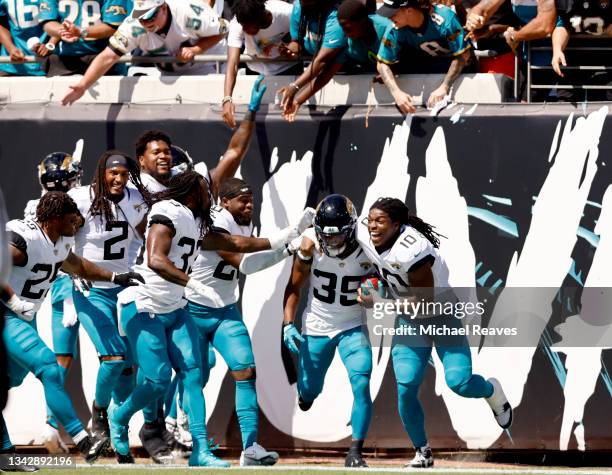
{"x":124,"y":386}
{"x":195,"y":407}
{"x":108,"y":375}
{"x":51,"y":419}
{"x":6,"y":440}
{"x":170,"y":402}
{"x":58,"y":400}
{"x":247,"y":411}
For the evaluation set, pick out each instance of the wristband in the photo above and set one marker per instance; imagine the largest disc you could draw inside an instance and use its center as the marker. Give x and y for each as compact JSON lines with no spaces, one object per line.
{"x":83,"y":34}
{"x":295,"y":86}
{"x":112,"y":279}
{"x":226,"y":99}
{"x":303,"y":258}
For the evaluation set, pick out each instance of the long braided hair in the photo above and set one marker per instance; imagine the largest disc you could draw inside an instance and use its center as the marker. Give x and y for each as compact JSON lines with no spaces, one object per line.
{"x":399,"y":213}
{"x":184,"y":185}
{"x":101,"y":203}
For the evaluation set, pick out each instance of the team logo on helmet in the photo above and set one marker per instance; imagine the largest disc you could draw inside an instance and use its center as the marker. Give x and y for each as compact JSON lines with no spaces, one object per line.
{"x":335,"y":222}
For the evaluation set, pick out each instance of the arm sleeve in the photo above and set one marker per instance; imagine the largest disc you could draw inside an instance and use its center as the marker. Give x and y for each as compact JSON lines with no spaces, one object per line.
{"x":203,"y":21}
{"x":48,"y":11}
{"x":114,"y":12}
{"x":456,"y":36}
{"x":389,"y":46}
{"x":161,"y":219}
{"x":257,"y":261}
{"x":20,"y":243}
{"x":294,"y":25}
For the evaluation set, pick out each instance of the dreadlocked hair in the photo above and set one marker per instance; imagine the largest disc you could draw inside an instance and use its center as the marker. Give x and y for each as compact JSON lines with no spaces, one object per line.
{"x":101,"y":204}
{"x":55,"y":204}
{"x":181,"y":187}
{"x":399,"y":213}
{"x":248,"y":11}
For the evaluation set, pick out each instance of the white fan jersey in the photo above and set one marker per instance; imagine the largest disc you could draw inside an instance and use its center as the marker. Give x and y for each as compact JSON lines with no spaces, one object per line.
{"x":33,"y":280}
{"x":332,"y":297}
{"x":210,"y":269}
{"x":410,"y":248}
{"x":106,"y":244}
{"x":191,"y":20}
{"x":158,"y":295}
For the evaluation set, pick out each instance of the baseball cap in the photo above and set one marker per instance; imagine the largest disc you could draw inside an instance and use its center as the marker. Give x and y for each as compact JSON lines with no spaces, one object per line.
{"x":145,"y":9}
{"x":389,"y":7}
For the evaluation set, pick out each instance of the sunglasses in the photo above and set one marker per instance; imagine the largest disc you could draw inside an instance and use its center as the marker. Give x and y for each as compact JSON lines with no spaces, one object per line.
{"x":152,"y":17}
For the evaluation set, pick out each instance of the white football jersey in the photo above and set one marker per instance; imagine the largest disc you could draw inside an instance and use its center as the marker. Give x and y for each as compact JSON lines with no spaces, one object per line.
{"x":158,"y":295}
{"x":332,"y":297}
{"x":106,"y":244}
{"x":191,"y":20}
{"x":32,"y":281}
{"x":409,"y":248}
{"x":210,"y":269}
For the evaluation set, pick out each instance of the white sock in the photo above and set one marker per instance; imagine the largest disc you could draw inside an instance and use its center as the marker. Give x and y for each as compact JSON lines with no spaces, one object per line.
{"x":80,"y":436}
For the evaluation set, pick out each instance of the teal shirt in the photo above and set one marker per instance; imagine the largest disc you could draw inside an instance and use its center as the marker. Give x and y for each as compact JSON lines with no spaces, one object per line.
{"x":442,"y":36}
{"x":326,"y":33}
{"x":23,"y":25}
{"x":365,"y":51}
{"x":84,"y":14}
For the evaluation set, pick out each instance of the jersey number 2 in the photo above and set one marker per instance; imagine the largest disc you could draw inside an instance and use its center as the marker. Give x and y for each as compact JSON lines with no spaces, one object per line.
{"x":109,"y":255}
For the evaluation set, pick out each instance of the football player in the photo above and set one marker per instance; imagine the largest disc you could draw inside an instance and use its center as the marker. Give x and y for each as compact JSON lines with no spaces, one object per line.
{"x":161,"y":333}
{"x":432,"y":31}
{"x":39,"y":250}
{"x":219,"y":320}
{"x":113,"y":213}
{"x":59,"y":171}
{"x":404,"y":249}
{"x":331,"y":257}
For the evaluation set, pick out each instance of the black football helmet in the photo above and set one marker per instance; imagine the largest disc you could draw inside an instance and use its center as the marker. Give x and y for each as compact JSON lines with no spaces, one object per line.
{"x":59,"y":171}
{"x":335,"y":223}
{"x":181,"y":160}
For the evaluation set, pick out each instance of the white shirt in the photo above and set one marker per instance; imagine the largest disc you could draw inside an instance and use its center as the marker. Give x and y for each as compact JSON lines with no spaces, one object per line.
{"x":33,"y":280}
{"x":332,"y":296}
{"x":210,"y":269}
{"x":106,"y":244}
{"x":266,"y":42}
{"x":158,"y":295}
{"x":191,"y":20}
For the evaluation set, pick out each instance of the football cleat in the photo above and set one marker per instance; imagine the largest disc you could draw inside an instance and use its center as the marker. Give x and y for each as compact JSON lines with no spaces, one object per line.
{"x":303,"y":405}
{"x":125,"y":459}
{"x":5,"y":466}
{"x":52,"y":441}
{"x":423,"y":458}
{"x":257,"y":455}
{"x":499,"y":405}
{"x":152,"y":438}
{"x":99,"y":420}
{"x":205,"y":458}
{"x":93,"y":446}
{"x":354,"y":459}
{"x":118,"y":433}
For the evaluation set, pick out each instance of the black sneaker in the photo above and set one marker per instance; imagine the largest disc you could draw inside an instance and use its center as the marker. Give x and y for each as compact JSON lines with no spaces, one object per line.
{"x":121,"y":459}
{"x":93,"y":446}
{"x":99,"y":420}
{"x":152,"y":439}
{"x":354,"y":459}
{"x":7,"y":457}
{"x":303,"y":405}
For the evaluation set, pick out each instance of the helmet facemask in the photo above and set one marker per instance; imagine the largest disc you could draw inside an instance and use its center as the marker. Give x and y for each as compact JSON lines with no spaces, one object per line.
{"x":334,"y":241}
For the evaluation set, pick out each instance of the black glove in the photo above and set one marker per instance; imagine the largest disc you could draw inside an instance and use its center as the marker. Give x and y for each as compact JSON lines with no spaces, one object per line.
{"x":127,"y":279}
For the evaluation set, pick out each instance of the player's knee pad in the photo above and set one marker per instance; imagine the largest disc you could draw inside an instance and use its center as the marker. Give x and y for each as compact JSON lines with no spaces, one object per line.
{"x":113,"y":366}
{"x":49,"y":374}
{"x":406,"y":392}
{"x":457,"y":379}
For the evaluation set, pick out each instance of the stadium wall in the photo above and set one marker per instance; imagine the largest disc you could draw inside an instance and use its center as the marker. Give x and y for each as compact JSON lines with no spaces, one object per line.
{"x":516,"y":189}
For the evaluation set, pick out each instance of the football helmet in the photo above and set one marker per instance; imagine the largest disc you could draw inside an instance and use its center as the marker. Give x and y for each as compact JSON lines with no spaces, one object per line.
{"x":59,"y":171}
{"x":181,"y":160}
{"x":335,"y":223}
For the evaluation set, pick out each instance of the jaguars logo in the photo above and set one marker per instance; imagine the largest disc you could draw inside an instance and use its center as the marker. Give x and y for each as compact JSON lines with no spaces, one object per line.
{"x":117,"y":10}
{"x":44,"y":7}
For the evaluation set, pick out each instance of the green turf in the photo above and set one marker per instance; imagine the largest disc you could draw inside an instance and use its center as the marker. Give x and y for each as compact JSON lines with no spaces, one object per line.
{"x":101,"y":470}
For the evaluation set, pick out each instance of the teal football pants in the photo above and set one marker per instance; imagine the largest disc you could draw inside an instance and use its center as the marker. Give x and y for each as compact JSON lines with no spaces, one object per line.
{"x":224,"y":329}
{"x":159,"y":343}
{"x":27,"y":353}
{"x":410,"y":355}
{"x":315,"y":357}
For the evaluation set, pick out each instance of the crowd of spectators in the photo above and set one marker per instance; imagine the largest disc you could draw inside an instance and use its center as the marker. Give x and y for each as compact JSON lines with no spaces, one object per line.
{"x":311,"y":39}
